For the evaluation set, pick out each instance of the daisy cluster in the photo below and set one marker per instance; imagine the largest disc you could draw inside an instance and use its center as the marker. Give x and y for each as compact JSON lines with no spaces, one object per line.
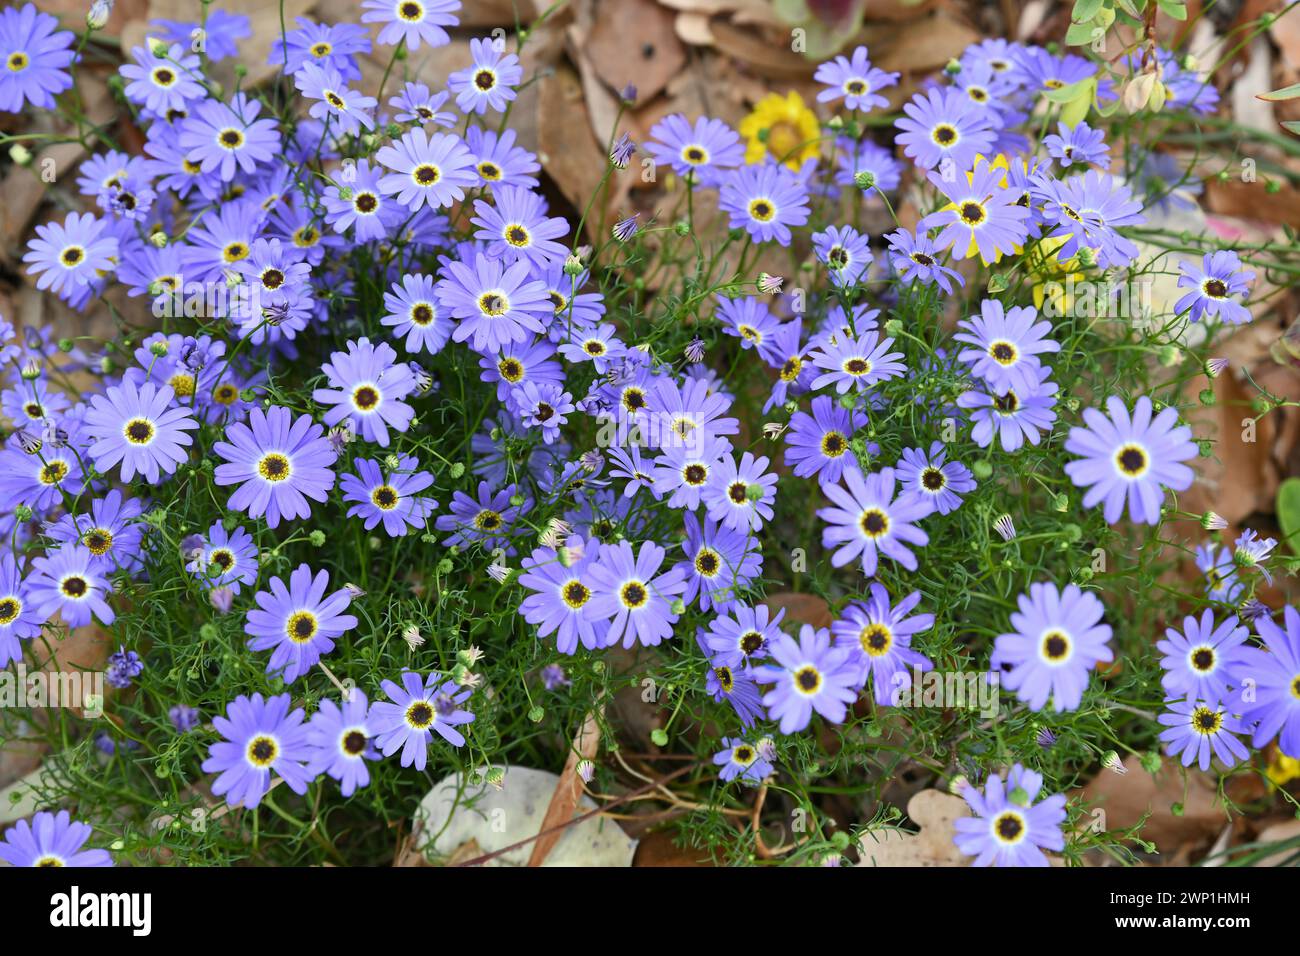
{"x":373,"y":336}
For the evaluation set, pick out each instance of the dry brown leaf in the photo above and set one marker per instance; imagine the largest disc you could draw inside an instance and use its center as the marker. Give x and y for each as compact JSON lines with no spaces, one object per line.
{"x":633,"y":42}
{"x":693,"y":28}
{"x":934,"y":811}
{"x":919,"y":46}
{"x":567,"y":792}
{"x":656,"y":849}
{"x":1237,"y":481}
{"x":801,"y":608}
{"x":774,"y":60}
{"x":567,"y":149}
{"x":1124,"y":798}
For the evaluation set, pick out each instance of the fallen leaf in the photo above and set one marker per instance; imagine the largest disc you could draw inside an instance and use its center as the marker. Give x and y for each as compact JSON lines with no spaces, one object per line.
{"x":565,"y":799}
{"x":801,"y":608}
{"x":1125,"y":798}
{"x":456,"y":811}
{"x":934,"y":812}
{"x":633,"y":42}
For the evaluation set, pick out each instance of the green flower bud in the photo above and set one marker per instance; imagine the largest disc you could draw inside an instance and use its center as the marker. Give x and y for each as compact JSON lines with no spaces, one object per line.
{"x":536,"y":714}
{"x":659,"y":737}
{"x":864,"y":180}
{"x":445,"y":566}
{"x":982,"y":469}
{"x":456,"y":470}
{"x":317,"y":538}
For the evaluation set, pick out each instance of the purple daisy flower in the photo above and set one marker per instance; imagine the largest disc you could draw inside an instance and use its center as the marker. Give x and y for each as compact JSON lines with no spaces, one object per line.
{"x":1014,"y":417}
{"x":487,"y":521}
{"x":1087,"y":211}
{"x":856,"y":80}
{"x":67,"y":581}
{"x":348,"y":110}
{"x":140,"y":428}
{"x":108,"y":528}
{"x":433,"y":169}
{"x":1059,"y":638}
{"x":38,"y":480}
{"x":65,"y":257}
{"x":498,"y":160}
{"x":933,"y":479}
{"x":37,"y":55}
{"x":1008,"y":828}
{"x":163,"y":83}
{"x":1269,"y":684}
{"x":341,"y":741}
{"x":1218,"y":279}
{"x":489,"y":82}
{"x":560,"y":590}
{"x":418,"y":104}
{"x":412,"y":21}
{"x":413,"y":313}
{"x":1007,"y":344}
{"x":391,"y":498}
{"x":320,"y":43}
{"x":738,"y":758}
{"x":367,"y":386}
{"x":868,"y":521}
{"x":1078,"y":144}
{"x":1199,"y":730}
{"x":19,"y":617}
{"x":50,"y":839}
{"x":866,"y":162}
{"x":943,"y":124}
{"x":543,"y":405}
{"x":845,"y":252}
{"x":982,"y":218}
{"x":743,"y":634}
{"x":629,"y":592}
{"x":278,"y":462}
{"x":1199,"y":661}
{"x":260,"y":737}
{"x":808,"y":675}
{"x":497,"y":304}
{"x":915,"y":257}
{"x":856,"y":363}
{"x":749,"y":319}
{"x":367,"y":208}
{"x":1221,"y":579}
{"x":707,"y":150}
{"x":222,"y":138}
{"x":225,"y":559}
{"x":740,"y":496}
{"x":818,"y":444}
{"x":298,"y":623}
{"x":765,"y":200}
{"x":683,"y":471}
{"x":719,"y":563}
{"x":1131,"y":459}
{"x":517,"y":227}
{"x":878,"y":637}
{"x":735,"y":685}
{"x":414,"y":711}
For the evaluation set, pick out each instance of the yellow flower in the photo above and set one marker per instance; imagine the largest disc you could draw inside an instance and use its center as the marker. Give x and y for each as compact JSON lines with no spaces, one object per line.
{"x":781,"y":127}
{"x":1282,"y":769}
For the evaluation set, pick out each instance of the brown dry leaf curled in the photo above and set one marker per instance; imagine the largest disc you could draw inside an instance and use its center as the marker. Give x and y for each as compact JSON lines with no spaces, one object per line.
{"x":565,"y":799}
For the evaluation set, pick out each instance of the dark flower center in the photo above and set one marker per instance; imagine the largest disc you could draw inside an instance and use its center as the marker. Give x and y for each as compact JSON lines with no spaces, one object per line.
{"x":75,"y":586}
{"x":1132,"y":460}
{"x":1009,"y":827}
{"x":366,"y":397}
{"x":695,"y":474}
{"x":366,"y":203}
{"x":422,"y":314}
{"x":1203,"y":659}
{"x":874,"y":523}
{"x":707,"y":563}
{"x":576,"y":594}
{"x":751,"y":641}
{"x":485,"y":80}
{"x":932,"y":479}
{"x":419,"y":715}
{"x":1055,"y":646}
{"x":945,"y":135}
{"x":738,"y":492}
{"x":634,"y":594}
{"x":385,"y":497}
{"x":427,"y":175}
{"x":1216,"y":289}
{"x":808,"y":679}
{"x":354,"y":741}
{"x":139,"y":431}
{"x":972,"y":213}
{"x":262,"y":751}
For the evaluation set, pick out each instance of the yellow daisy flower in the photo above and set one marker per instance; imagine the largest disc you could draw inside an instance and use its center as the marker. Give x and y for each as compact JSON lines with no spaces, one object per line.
{"x":781,"y":127}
